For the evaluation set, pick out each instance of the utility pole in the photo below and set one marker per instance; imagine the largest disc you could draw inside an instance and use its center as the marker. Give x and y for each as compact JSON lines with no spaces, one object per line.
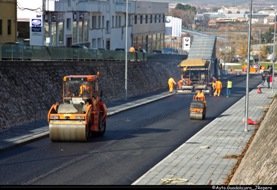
{"x":126,"y":52}
{"x":247,"y":72}
{"x":43,"y":20}
{"x":274,"y":53}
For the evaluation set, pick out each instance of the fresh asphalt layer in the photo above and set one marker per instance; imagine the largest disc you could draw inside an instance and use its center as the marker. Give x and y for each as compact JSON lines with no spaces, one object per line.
{"x":206,"y":158}
{"x":19,"y":135}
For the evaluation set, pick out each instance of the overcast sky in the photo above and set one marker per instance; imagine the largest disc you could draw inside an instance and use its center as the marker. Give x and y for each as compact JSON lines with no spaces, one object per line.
{"x":35,"y":5}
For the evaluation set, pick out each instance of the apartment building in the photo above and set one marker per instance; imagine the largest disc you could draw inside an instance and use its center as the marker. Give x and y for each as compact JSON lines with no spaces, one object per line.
{"x":148,"y":30}
{"x":8,"y":21}
{"x":102,"y":24}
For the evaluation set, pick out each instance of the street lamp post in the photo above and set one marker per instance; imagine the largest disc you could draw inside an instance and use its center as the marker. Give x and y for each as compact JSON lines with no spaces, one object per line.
{"x":247,"y":72}
{"x":126,"y":52}
{"x":274,"y":54}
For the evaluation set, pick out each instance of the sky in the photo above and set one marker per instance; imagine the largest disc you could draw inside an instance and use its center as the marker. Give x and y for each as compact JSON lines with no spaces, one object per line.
{"x":36,"y":5}
{"x":23,"y":7}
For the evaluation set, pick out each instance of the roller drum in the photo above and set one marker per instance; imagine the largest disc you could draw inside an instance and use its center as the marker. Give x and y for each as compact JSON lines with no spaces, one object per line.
{"x":198,"y":116}
{"x":67,"y":130}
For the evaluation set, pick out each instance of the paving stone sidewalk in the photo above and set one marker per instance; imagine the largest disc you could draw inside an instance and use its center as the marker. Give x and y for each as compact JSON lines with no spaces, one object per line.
{"x":208,"y":157}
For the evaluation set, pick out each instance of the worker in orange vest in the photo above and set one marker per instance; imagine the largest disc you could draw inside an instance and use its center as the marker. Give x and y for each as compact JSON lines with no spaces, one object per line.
{"x":180,"y":83}
{"x":84,"y":88}
{"x":171,"y":83}
{"x":218,"y":87}
{"x":200,"y":96}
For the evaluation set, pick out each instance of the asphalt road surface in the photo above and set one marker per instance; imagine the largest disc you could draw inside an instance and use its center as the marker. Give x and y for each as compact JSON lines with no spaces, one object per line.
{"x":134,"y":142}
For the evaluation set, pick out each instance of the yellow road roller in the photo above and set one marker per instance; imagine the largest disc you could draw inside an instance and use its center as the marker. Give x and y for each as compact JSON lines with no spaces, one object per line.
{"x":197,"y":110}
{"x":81,"y":113}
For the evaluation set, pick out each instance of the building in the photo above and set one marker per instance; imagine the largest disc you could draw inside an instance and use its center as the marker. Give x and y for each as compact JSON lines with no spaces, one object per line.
{"x":233,"y":10}
{"x":173,"y":28}
{"x":148,"y":30}
{"x":8,"y":21}
{"x":102,"y":24}
{"x":26,"y":12}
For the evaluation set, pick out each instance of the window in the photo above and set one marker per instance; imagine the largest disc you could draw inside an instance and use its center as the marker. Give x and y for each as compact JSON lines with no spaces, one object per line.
{"x":68,"y":24}
{"x":146,"y":19}
{"x":9,"y":27}
{"x":0,"y":26}
{"x":151,"y":18}
{"x":99,"y":22}
{"x":141,"y":18}
{"x":108,"y":27}
{"x":136,"y":19}
{"x":93,"y":43}
{"x":93,"y":22}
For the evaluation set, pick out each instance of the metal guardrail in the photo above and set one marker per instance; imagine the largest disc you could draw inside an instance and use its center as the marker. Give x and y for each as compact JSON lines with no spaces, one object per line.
{"x":19,"y":52}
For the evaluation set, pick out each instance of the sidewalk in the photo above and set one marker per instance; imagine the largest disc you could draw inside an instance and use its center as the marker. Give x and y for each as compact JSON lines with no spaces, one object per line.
{"x":21,"y":134}
{"x":209,"y":156}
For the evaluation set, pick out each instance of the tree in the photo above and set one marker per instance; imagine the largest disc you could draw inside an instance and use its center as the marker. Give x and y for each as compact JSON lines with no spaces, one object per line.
{"x":242,"y":48}
{"x":185,"y":7}
{"x":263,"y":52}
{"x":184,"y":12}
{"x":268,"y":36}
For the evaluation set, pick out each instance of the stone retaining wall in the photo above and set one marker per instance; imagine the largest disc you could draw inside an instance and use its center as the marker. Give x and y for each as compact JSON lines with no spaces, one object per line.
{"x":259,"y":165}
{"x":28,"y":89}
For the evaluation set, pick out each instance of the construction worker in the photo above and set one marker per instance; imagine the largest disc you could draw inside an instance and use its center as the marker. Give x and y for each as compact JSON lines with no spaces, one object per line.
{"x":84,"y":88}
{"x":199,"y":96}
{"x":171,"y":83}
{"x":188,"y":81}
{"x":229,"y":88}
{"x":132,"y":53}
{"x":218,"y":87}
{"x":213,"y":85}
{"x":180,"y":83}
{"x":132,"y":50}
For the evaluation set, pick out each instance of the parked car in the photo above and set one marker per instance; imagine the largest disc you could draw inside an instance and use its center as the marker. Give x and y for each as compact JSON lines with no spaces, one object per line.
{"x":157,"y":51}
{"x":169,"y":51}
{"x":81,"y":52}
{"x":119,"y":49}
{"x":16,"y":51}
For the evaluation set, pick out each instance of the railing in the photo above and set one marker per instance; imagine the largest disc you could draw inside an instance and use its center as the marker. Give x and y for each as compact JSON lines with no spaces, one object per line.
{"x":16,"y":52}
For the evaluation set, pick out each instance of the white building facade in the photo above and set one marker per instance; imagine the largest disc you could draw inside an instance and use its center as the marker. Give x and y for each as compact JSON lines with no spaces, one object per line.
{"x":173,"y":28}
{"x":148,"y":31}
{"x":102,"y":24}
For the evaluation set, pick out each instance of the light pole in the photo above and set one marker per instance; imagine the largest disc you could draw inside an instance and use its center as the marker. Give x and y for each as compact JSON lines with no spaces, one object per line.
{"x":274,"y":54}
{"x":247,"y":72}
{"x":126,"y":52}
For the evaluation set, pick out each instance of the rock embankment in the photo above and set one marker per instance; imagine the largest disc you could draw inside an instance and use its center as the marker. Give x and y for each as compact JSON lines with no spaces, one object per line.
{"x":259,"y":165}
{"x":28,"y":89}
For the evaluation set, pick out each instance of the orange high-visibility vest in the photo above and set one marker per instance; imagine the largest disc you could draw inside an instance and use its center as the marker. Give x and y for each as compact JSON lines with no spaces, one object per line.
{"x":218,"y":84}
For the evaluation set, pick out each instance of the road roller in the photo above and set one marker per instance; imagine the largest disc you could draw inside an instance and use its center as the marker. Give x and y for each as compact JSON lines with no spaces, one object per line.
{"x":197,"y":110}
{"x":81,"y":113}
